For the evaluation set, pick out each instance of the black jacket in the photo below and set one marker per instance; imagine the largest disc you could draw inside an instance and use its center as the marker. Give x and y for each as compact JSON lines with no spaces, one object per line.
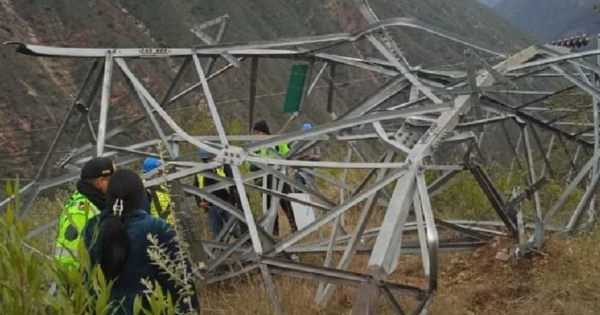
{"x":227,"y":194}
{"x":138,"y":265}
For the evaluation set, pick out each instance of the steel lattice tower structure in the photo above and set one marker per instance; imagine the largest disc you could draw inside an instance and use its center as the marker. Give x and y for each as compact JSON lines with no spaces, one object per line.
{"x":449,"y":107}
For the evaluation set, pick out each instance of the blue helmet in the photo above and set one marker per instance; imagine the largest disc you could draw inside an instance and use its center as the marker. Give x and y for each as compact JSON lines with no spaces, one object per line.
{"x":306,"y":126}
{"x":203,"y":153}
{"x":150,"y":164}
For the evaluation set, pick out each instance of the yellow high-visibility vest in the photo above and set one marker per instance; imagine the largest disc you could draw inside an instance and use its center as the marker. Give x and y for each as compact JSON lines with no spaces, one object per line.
{"x":220,"y":172}
{"x":164,"y":200}
{"x":78,"y":210}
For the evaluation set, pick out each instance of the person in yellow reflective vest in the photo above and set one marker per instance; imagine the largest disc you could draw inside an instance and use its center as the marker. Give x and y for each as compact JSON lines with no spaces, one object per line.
{"x":217,"y":217}
{"x":86,"y":202}
{"x":160,"y":201}
{"x":261,"y":128}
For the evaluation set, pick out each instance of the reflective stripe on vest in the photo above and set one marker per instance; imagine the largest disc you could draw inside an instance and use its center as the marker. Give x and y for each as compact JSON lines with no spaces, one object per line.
{"x":64,"y":252}
{"x":220,"y":172}
{"x":71,"y":227}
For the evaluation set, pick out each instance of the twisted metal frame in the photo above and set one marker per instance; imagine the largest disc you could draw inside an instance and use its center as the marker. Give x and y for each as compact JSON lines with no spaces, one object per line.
{"x":444,"y":108}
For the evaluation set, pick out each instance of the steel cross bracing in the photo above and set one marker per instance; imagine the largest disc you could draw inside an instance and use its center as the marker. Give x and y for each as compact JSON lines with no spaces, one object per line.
{"x":395,"y":137}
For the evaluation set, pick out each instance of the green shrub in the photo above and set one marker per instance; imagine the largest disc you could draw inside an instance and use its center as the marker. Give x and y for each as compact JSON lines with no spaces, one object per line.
{"x":27,"y":277}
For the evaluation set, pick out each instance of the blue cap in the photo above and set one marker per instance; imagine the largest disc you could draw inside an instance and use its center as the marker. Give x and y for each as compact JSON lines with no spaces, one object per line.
{"x":306,"y":126}
{"x":150,"y":164}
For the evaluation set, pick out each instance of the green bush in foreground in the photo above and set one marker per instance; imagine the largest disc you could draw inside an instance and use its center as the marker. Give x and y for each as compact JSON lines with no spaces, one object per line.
{"x":32,"y":283}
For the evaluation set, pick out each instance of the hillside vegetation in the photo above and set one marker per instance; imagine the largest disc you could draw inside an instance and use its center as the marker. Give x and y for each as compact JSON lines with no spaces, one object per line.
{"x":35,"y":92}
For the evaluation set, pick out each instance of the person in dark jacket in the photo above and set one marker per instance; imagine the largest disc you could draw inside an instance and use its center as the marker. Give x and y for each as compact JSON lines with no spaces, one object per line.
{"x":117,"y":241}
{"x":261,"y":128}
{"x":217,"y":217}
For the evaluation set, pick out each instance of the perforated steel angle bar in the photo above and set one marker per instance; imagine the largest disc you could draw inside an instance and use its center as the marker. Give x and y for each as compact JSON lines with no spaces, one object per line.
{"x":403,"y":69}
{"x":227,"y":276}
{"x":163,"y":114}
{"x":472,"y":83}
{"x":323,"y":164}
{"x":252,"y":102}
{"x":295,"y":184}
{"x":225,"y":233}
{"x":392,"y":144}
{"x":361,"y":225}
{"x":548,"y":153}
{"x":384,"y":258}
{"x":154,"y":123}
{"x":390,"y":297}
{"x":354,"y":277}
{"x":440,"y":181}
{"x":328,"y":179}
{"x":545,"y":154}
{"x":337,"y":226}
{"x":386,"y":251}
{"x":592,"y":211}
{"x":120,"y":129}
{"x":494,"y":196}
{"x":228,"y":207}
{"x":416,"y":24}
{"x":531,"y":171}
{"x":394,"y":86}
{"x":117,"y":149}
{"x":184,"y":65}
{"x":271,"y":289}
{"x":468,"y":231}
{"x":66,"y":119}
{"x":567,"y":192}
{"x":432,"y":234}
{"x":346,"y":123}
{"x":252,"y":227}
{"x":222,"y":184}
{"x":518,"y":198}
{"x":590,"y":89}
{"x":214,"y":263}
{"x":317,"y":77}
{"x":485,"y":121}
{"x":28,"y":200}
{"x":211,"y":103}
{"x":89,"y":102}
{"x":334,"y":212}
{"x":335,"y":59}
{"x":583,"y":204}
{"x":554,"y":51}
{"x":418,"y":212}
{"x":104,"y":102}
{"x":182,"y":173}
{"x":270,"y":192}
{"x":573,"y":162}
{"x":237,"y":245}
{"x":553,"y":60}
{"x":329,"y":254}
{"x":446,"y":246}
{"x":134,"y":147}
{"x":545,"y":97}
{"x":211,"y":41}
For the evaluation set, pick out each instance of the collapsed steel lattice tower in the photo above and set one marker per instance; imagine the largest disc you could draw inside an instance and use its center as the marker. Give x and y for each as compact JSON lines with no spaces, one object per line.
{"x":444,"y":107}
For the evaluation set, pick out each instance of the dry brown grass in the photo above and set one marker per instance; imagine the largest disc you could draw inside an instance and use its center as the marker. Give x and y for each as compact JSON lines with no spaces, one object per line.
{"x":563,"y":280}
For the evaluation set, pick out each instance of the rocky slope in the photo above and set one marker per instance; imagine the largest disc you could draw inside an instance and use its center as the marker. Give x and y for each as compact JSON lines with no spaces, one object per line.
{"x":34,"y":92}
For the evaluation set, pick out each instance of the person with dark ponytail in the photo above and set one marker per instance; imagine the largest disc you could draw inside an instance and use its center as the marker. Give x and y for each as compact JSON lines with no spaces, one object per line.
{"x":117,"y":241}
